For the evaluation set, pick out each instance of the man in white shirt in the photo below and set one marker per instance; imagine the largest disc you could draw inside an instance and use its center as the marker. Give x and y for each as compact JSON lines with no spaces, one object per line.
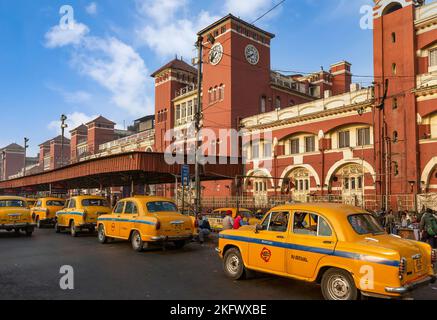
{"x":228,"y":222}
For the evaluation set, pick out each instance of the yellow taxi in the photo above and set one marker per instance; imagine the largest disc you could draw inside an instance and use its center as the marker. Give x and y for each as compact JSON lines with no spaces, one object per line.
{"x":341,"y":247}
{"x":146,"y":220}
{"x":81,"y":213}
{"x":15,"y":215}
{"x":31,"y":202}
{"x":217,"y":216}
{"x":44,"y":211}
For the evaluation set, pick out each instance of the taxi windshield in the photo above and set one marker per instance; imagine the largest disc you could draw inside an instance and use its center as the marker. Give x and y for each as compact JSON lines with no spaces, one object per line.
{"x":365,"y":224}
{"x":161,"y":206}
{"x":94,"y":203}
{"x":55,"y":203}
{"x":12,"y":204}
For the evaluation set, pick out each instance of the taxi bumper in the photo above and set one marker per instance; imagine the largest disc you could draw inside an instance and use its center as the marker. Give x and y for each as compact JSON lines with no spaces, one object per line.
{"x":171,"y":238}
{"x":17,"y":226}
{"x":412,"y":286}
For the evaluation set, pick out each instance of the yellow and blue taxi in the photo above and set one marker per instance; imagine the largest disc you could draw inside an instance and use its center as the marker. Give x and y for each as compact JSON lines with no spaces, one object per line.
{"x":31,"y":202}
{"x":44,"y":211}
{"x":80,"y":213}
{"x":146,"y":220}
{"x":15,"y":215}
{"x":217,"y":216}
{"x":340,"y":247}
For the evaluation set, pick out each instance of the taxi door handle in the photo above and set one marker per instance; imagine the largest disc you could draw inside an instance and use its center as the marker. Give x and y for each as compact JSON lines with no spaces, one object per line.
{"x":280,"y":237}
{"x":328,"y":242}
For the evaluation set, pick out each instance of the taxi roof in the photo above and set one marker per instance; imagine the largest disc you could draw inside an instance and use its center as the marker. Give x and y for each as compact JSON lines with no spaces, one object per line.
{"x":148,"y":198}
{"x":328,"y":209}
{"x":88,"y":197}
{"x":51,"y":198}
{"x":13,"y":198}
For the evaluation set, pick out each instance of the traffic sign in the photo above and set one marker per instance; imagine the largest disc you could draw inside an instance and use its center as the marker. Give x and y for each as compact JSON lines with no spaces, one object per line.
{"x":185,"y":175}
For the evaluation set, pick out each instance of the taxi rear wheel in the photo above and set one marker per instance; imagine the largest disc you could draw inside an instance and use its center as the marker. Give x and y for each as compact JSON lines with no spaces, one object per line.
{"x":233,"y":264}
{"x":73,"y":230}
{"x":101,"y":235}
{"x":137,"y":242}
{"x":338,"y":284}
{"x":57,"y":228}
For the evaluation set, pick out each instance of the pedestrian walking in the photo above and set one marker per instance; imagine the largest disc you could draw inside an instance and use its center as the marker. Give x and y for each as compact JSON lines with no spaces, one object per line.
{"x":204,"y":228}
{"x":389,"y":222}
{"x":238,"y":222}
{"x":428,"y":228}
{"x":228,"y":222}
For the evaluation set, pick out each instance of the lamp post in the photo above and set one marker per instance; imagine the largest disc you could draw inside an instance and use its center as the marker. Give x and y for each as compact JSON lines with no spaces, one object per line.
{"x":63,"y":127}
{"x":3,"y":156}
{"x":26,"y":140}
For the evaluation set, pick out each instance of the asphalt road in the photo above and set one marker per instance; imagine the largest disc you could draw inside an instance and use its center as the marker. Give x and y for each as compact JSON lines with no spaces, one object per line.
{"x":30,"y":269}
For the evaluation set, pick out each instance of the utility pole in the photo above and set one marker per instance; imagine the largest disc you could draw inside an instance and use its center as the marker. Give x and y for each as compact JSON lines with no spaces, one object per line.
{"x":26,"y":140}
{"x":197,"y":119}
{"x":63,"y":127}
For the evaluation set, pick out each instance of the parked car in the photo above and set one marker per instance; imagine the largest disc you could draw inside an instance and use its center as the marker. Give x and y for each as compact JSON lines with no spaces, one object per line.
{"x":31,"y":202}
{"x":217,"y":216}
{"x":80,"y":213}
{"x":341,"y":247}
{"x":146,"y":220}
{"x":44,"y":212}
{"x":15,"y":215}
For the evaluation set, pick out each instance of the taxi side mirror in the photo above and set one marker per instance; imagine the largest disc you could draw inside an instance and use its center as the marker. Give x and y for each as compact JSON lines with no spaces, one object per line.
{"x":258,"y":228}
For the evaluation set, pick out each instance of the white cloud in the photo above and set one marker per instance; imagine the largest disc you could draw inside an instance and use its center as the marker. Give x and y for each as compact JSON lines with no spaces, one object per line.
{"x":248,"y":9}
{"x":181,"y":31}
{"x":74,"y":97}
{"x":60,"y":36}
{"x":114,"y":65}
{"x":91,"y":8}
{"x":74,"y":120}
{"x":118,"y":68}
{"x":160,"y":11}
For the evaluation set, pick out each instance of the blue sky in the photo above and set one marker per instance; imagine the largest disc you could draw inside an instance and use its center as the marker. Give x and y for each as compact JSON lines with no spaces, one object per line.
{"x":102,"y":64}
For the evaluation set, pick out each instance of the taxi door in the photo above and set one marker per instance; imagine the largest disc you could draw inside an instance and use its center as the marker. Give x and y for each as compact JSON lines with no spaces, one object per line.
{"x":311,"y":239}
{"x":63,"y":214}
{"x":267,"y":248}
{"x":130,"y":214}
{"x":113,"y":222}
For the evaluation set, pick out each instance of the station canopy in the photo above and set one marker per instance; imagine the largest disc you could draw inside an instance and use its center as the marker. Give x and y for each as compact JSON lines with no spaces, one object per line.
{"x":117,"y":171}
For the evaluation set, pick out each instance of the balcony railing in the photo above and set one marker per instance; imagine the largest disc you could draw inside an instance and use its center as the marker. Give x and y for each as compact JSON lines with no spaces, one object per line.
{"x":186,"y":90}
{"x":136,"y":138}
{"x":286,"y":82}
{"x":427,"y":80}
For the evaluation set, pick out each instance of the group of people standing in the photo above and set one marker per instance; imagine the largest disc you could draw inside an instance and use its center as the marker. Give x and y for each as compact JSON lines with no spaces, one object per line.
{"x":425,"y":221}
{"x":229,"y":223}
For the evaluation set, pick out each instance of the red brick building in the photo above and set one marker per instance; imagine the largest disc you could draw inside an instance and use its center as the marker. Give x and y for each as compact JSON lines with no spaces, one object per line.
{"x":50,"y":153}
{"x":11,"y":160}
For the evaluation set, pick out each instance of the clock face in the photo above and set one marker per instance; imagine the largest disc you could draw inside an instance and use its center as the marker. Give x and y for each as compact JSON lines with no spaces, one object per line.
{"x":216,"y":54}
{"x":252,"y":54}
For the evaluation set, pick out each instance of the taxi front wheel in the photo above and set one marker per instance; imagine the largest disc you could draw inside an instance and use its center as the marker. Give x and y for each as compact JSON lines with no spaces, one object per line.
{"x":73,"y":230}
{"x":338,"y":284}
{"x":233,"y":264}
{"x":101,"y":235}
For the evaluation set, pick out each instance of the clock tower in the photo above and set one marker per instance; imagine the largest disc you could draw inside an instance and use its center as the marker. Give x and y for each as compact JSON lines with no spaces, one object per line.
{"x":236,"y":71}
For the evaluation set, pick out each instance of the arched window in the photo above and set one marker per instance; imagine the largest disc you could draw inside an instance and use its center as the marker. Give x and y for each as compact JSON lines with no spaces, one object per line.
{"x":392,"y":7}
{"x":278,"y":103}
{"x":263,"y":103}
{"x":395,"y":137}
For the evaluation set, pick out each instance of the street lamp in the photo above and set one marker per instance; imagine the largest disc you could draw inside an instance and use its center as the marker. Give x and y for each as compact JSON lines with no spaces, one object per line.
{"x":3,"y":156}
{"x":63,"y":127}
{"x":26,"y":140}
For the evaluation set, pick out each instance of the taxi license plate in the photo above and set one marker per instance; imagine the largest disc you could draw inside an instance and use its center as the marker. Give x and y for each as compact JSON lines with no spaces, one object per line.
{"x":418,"y":266}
